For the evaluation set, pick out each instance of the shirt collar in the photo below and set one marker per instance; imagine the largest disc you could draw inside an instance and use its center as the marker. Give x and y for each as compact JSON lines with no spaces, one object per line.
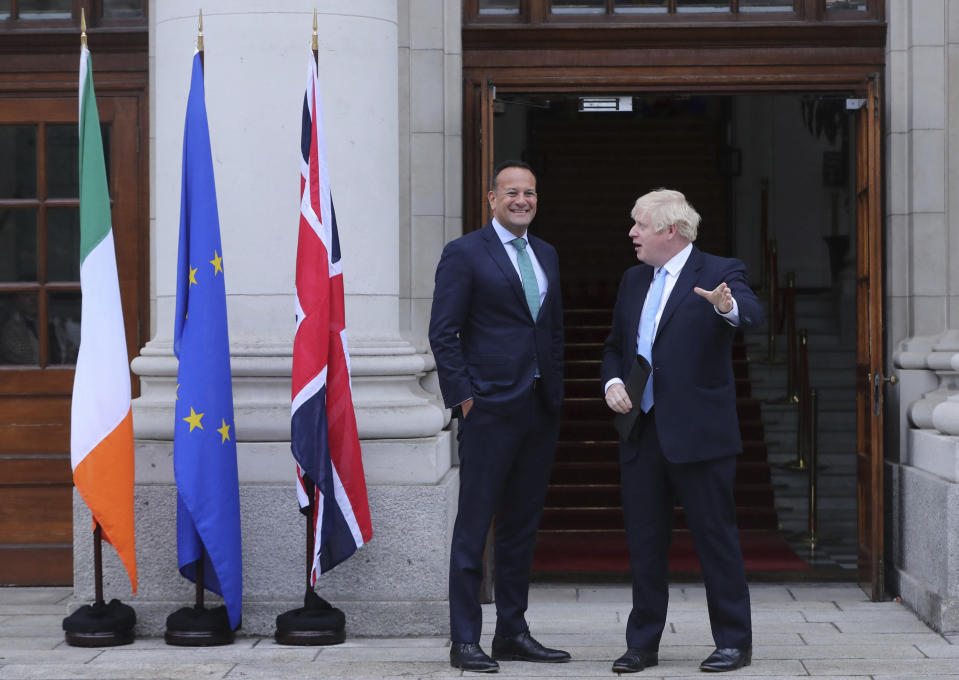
{"x":678,"y":261}
{"x":505,"y":235}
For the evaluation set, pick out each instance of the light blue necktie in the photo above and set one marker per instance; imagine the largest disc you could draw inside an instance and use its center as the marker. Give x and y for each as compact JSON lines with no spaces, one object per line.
{"x":527,"y":276}
{"x":647,"y":330}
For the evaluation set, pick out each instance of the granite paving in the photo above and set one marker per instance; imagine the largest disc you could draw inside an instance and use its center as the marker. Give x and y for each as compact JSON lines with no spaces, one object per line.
{"x":803,"y":630}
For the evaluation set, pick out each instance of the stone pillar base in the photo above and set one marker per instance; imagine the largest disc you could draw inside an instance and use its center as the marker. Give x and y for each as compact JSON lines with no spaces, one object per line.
{"x":928,"y":557}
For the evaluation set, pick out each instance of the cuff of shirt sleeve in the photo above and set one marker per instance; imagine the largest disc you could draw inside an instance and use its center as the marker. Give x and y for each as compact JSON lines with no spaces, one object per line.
{"x":732,"y":316}
{"x":610,"y":383}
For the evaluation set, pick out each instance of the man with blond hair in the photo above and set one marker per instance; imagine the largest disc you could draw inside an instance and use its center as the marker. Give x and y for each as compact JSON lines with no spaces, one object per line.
{"x":679,"y":310}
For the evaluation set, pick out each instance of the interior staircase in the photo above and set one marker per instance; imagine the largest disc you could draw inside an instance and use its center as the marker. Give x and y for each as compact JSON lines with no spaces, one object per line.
{"x":582,"y":526}
{"x":832,"y":359}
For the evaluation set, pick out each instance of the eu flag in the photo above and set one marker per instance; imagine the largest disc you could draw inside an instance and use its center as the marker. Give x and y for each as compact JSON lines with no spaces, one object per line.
{"x":204,"y":440}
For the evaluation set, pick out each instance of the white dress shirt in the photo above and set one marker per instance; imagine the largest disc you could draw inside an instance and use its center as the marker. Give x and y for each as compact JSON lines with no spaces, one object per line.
{"x":506,"y":236}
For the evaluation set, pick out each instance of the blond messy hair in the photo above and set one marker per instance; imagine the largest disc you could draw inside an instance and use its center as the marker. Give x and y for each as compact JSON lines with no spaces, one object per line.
{"x":664,"y":207}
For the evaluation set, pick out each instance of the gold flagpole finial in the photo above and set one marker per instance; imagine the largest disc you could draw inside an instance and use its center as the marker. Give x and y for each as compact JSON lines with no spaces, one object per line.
{"x":83,"y":28}
{"x":316,"y":39}
{"x":199,"y":35}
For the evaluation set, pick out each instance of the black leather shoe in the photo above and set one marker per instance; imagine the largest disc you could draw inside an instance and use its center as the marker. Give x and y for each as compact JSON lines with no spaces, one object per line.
{"x":728,"y":659}
{"x":635,"y":660}
{"x":469,"y":657}
{"x":524,"y":647}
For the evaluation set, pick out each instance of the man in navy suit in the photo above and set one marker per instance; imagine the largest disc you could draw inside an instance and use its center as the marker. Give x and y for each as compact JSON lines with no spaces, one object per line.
{"x":680,"y":310}
{"x":496,"y":331}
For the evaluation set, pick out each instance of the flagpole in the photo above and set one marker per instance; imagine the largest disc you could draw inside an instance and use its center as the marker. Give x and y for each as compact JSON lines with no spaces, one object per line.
{"x":199,"y":39}
{"x":311,"y":515}
{"x":199,"y":562}
{"x":97,"y":531}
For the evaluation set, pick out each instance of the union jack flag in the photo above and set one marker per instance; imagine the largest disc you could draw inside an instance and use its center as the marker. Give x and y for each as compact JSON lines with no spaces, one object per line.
{"x":323,"y":432}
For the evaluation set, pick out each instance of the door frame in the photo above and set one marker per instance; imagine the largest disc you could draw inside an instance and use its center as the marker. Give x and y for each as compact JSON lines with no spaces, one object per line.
{"x":481,"y":84}
{"x":870,"y":377}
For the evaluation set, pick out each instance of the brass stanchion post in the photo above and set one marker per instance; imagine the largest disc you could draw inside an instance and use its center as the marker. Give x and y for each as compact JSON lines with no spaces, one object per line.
{"x":789,"y":309}
{"x":813,"y":466}
{"x":801,"y":399}
{"x":772,"y":292}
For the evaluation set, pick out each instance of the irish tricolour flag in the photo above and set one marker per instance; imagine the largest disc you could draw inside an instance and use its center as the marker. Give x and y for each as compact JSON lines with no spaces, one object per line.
{"x":101,"y":433}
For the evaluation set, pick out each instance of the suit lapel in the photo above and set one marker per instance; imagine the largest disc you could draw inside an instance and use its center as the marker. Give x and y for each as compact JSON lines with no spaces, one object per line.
{"x":684,"y":285}
{"x":498,"y":252}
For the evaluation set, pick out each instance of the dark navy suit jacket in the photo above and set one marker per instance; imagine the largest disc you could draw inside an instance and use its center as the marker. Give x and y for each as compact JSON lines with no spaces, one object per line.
{"x":484,"y":339}
{"x":694,"y":391}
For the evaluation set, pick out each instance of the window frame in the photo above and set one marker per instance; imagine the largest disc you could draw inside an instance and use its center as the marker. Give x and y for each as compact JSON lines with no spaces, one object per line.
{"x":537,"y":12}
{"x":94,"y":17}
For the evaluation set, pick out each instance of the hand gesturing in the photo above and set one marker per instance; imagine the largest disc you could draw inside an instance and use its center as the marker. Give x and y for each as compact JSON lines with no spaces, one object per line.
{"x":720,"y":296}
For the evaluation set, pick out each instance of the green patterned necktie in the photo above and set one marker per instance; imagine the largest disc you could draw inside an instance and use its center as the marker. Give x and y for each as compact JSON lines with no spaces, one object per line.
{"x":527,"y":275}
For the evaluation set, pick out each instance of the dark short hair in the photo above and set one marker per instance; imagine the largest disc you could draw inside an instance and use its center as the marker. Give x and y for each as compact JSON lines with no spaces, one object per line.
{"x":503,"y":165}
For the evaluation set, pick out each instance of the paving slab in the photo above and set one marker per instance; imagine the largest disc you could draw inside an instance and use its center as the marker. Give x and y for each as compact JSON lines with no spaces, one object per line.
{"x":167,"y":671}
{"x":29,"y":625}
{"x":770,"y":626}
{"x":35,"y":596}
{"x":49,"y":608}
{"x":914,"y":668}
{"x":554,"y":594}
{"x":834,"y":637}
{"x":40,"y":642}
{"x":940,"y":651}
{"x":354,"y":671}
{"x":838,"y":651}
{"x":227,"y":654}
{"x":801,"y":631}
{"x":829,"y":592}
{"x":66,"y":655}
{"x":891,"y":625}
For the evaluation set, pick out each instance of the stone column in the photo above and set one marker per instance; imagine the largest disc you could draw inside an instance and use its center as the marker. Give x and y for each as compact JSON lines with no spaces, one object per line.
{"x":255,"y":66}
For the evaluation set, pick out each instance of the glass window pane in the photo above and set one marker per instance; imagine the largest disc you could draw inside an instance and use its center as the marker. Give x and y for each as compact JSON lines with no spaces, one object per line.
{"x":19,"y":342}
{"x":63,"y":244}
{"x":18,"y":161}
{"x":578,"y":6}
{"x":123,"y":8}
{"x":765,"y":5}
{"x":640,"y":6}
{"x":846,"y":4}
{"x":18,"y":244}
{"x":64,"y":327}
{"x":45,"y":9}
{"x":489,"y":7}
{"x":702,"y":5}
{"x":62,"y":161}
{"x":4,"y":9}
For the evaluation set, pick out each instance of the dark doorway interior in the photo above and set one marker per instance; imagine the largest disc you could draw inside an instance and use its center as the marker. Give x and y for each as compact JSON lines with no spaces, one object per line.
{"x":768,"y":173}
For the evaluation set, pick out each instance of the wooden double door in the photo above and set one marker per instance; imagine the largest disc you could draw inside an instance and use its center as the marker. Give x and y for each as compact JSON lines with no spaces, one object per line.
{"x":40,"y":313}
{"x":483,"y":86}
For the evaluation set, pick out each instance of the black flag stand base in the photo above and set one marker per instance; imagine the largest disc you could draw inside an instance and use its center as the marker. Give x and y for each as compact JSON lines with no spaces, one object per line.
{"x":317,"y":622}
{"x":198,"y":626}
{"x":100,"y":624}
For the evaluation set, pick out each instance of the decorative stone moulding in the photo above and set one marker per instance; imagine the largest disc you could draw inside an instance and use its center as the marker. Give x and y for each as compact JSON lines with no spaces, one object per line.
{"x":390,"y":403}
{"x":938,"y":409}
